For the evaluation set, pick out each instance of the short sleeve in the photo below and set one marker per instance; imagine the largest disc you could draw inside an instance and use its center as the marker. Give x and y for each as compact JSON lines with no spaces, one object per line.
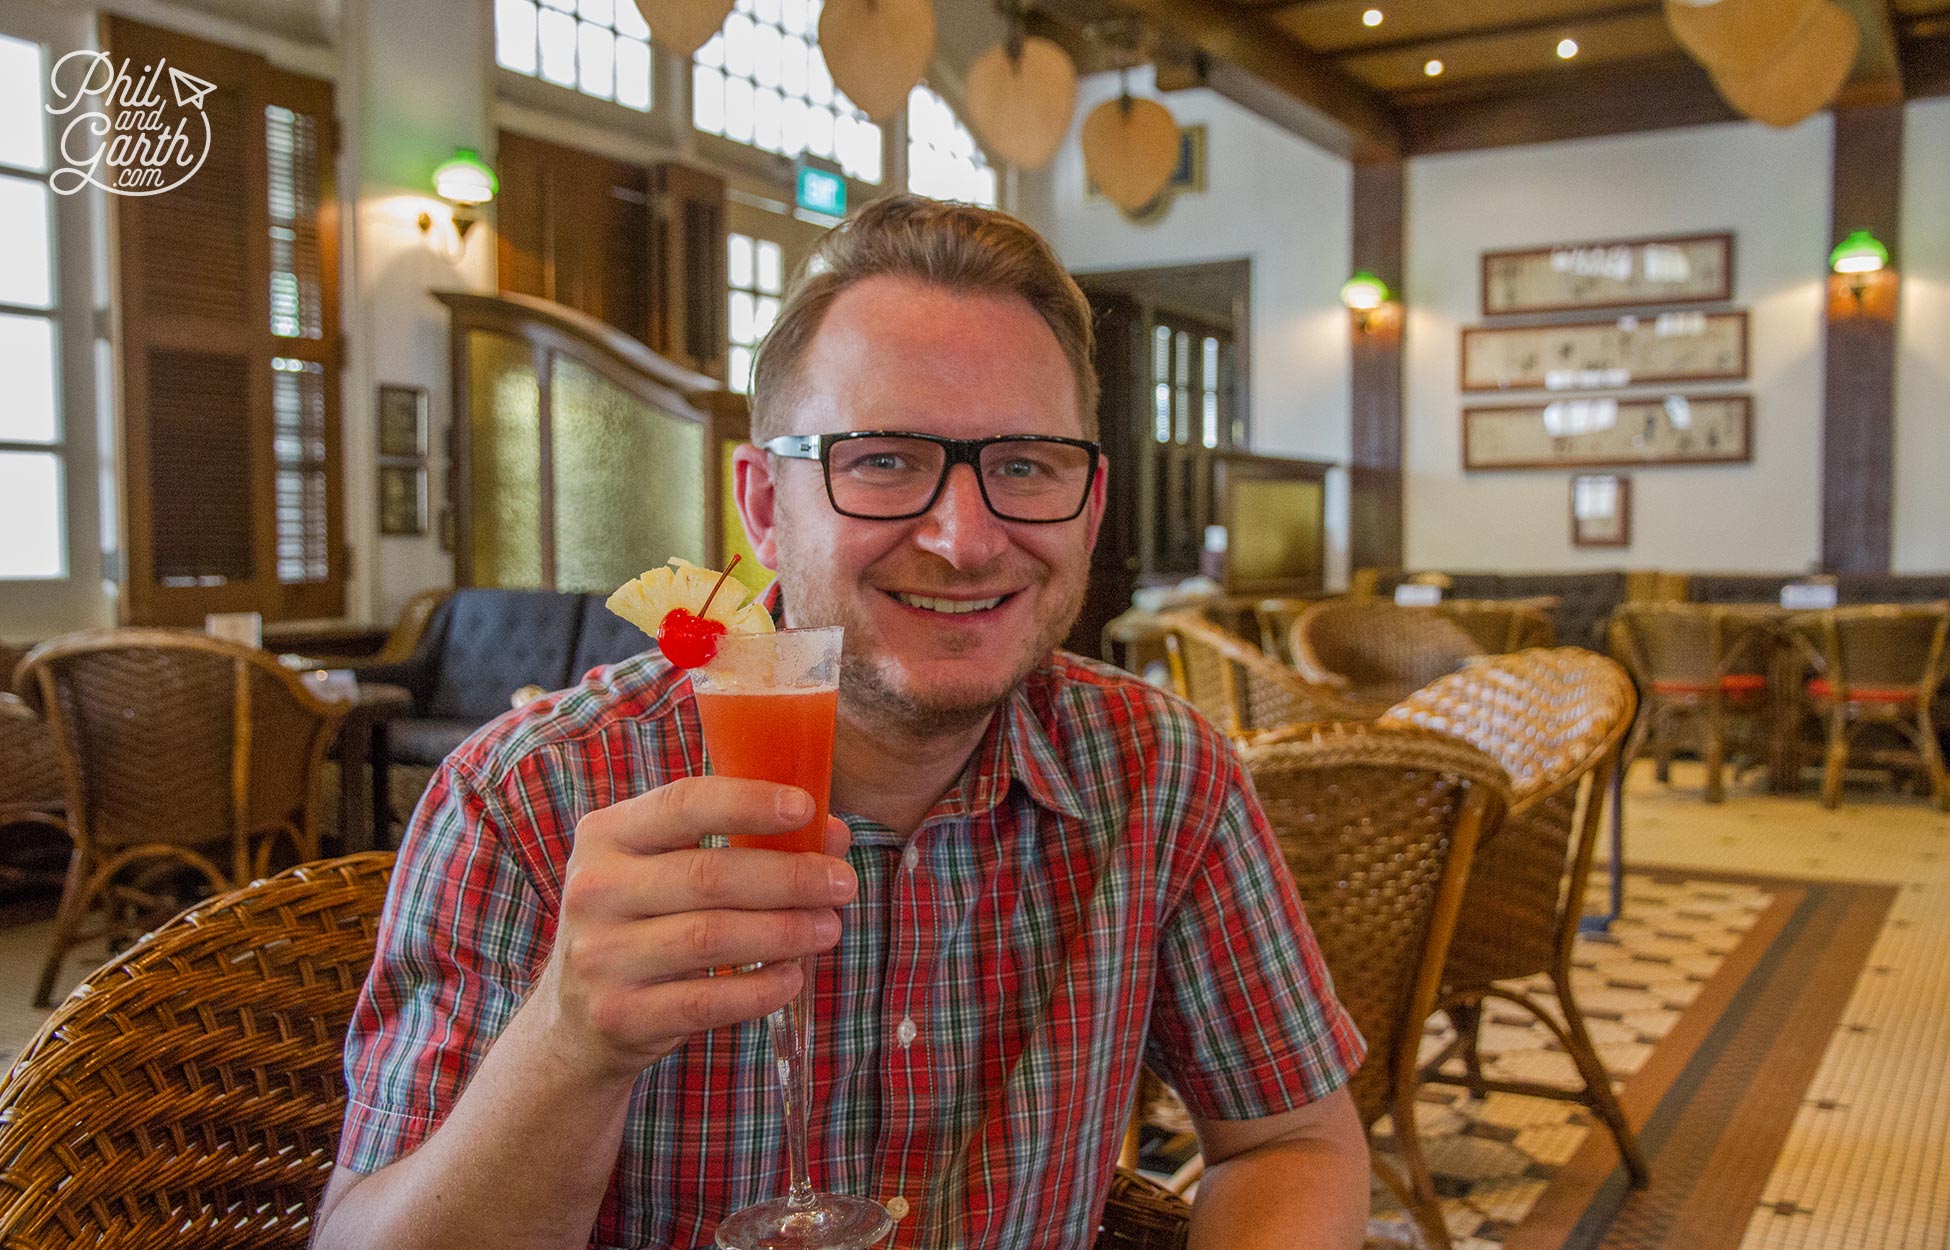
{"x":462,"y":931}
{"x":1245,"y":1023}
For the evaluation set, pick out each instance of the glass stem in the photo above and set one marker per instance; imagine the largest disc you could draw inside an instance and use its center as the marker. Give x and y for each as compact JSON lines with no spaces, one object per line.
{"x":791,"y":1028}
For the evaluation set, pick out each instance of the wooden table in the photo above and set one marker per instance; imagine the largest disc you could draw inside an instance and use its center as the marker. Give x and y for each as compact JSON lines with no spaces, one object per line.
{"x":365,"y":806}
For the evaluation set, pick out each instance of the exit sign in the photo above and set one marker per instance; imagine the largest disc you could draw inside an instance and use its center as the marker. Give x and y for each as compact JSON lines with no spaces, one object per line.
{"x":821,"y":191}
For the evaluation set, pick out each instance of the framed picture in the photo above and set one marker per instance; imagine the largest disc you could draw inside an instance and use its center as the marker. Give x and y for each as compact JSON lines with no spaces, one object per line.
{"x":402,"y":422}
{"x":1606,"y":355}
{"x":402,"y":499}
{"x":1609,"y":273}
{"x":1606,"y":432}
{"x":1601,"y":510}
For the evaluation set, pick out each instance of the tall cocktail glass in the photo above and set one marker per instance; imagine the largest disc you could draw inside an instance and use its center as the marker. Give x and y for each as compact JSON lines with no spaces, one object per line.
{"x":767,"y":703}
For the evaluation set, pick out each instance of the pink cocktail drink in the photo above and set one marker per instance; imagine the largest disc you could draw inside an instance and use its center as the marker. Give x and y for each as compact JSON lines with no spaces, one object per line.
{"x":784,"y":736}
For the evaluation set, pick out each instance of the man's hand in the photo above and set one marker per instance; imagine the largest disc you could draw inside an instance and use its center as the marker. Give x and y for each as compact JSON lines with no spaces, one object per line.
{"x":647,"y":915}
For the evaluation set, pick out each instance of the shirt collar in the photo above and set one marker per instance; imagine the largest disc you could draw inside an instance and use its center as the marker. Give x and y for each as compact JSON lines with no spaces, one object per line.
{"x":1018,"y":748}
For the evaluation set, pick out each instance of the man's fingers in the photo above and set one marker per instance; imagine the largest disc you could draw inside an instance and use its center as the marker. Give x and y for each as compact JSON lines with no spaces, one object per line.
{"x":838,"y":837}
{"x":670,"y":948}
{"x":655,"y":1013}
{"x":678,"y":814}
{"x":630,"y":887}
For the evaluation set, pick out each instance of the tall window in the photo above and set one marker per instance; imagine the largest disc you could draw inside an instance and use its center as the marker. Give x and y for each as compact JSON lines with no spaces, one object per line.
{"x":598,"y":47}
{"x":33,"y":468}
{"x":756,"y":276}
{"x":943,"y":159}
{"x":762,"y":81}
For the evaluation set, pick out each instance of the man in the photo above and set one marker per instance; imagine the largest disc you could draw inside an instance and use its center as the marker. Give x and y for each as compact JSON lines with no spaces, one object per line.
{"x":1049,"y":874}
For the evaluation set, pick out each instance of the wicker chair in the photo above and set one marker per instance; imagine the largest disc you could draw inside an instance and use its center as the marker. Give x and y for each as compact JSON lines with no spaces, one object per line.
{"x":1276,"y":618}
{"x":30,"y":772}
{"x":183,"y":756}
{"x":1140,"y":1215}
{"x":1555,"y":720}
{"x":190,"y":1094}
{"x":1376,"y":653}
{"x":1501,"y":626}
{"x":1879,"y":665}
{"x":410,"y":628}
{"x":1693,"y":662}
{"x":1239,"y":688}
{"x":1378,"y":825}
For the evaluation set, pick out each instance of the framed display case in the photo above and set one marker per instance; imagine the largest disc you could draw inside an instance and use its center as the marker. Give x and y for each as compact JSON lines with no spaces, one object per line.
{"x":1609,"y":432}
{"x":1609,"y":273}
{"x":1606,"y":355}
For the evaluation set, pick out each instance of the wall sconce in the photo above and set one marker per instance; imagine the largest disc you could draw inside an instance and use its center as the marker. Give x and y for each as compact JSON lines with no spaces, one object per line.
{"x":1857,"y":257}
{"x":464,"y":181}
{"x":1367,"y":297}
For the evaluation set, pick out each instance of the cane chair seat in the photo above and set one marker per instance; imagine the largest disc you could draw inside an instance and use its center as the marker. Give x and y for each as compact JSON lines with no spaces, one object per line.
{"x":1374,"y":652}
{"x":181,"y":754}
{"x":1503,"y":625}
{"x":1378,"y":825}
{"x":1240,"y":689}
{"x":1697,"y":665}
{"x":189,"y":1095}
{"x":1734,"y":685}
{"x":1885,"y":665}
{"x":1554,"y":719}
{"x":1822,"y":688}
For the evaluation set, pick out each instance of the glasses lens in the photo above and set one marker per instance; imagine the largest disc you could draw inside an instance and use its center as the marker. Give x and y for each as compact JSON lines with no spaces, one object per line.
{"x":1027,"y":480}
{"x":883,"y":476}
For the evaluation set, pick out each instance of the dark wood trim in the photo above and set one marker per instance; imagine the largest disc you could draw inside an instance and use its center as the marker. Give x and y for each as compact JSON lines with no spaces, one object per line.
{"x":1375,"y":410}
{"x":1480,"y":34}
{"x":1747,"y":438}
{"x":460,"y":446}
{"x":1858,"y":413}
{"x":1721,"y":296}
{"x":1926,"y":65}
{"x":1627,"y":97}
{"x":1462,"y":357}
{"x":1624,"y":538}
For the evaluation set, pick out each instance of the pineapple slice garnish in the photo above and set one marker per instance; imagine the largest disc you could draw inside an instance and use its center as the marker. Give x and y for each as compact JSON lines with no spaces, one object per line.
{"x":645,"y":601}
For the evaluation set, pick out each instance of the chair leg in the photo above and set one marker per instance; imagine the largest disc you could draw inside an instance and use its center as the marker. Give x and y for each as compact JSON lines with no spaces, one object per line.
{"x":1597,"y":1084}
{"x":1468,"y":1019}
{"x":1716,"y":758}
{"x":1932,"y":760}
{"x":1837,"y":759}
{"x":1426,"y":1212}
{"x":68,"y":915}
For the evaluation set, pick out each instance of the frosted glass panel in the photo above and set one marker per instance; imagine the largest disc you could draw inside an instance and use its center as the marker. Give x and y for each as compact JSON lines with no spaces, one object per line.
{"x":27,"y":366}
{"x":633,"y":74}
{"x":32,"y":529}
{"x":504,"y":490}
{"x":627,"y":488}
{"x":26,"y":260}
{"x":514,"y":35}
{"x":23,"y":126}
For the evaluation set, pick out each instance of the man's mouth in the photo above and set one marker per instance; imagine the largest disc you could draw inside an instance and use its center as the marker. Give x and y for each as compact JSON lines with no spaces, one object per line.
{"x":949,"y":607}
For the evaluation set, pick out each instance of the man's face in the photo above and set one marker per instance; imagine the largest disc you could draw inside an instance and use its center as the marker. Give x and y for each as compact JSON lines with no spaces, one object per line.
{"x":898,"y":354}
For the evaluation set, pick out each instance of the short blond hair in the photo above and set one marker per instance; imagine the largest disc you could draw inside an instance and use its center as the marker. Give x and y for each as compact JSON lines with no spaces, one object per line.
{"x":957,"y":246}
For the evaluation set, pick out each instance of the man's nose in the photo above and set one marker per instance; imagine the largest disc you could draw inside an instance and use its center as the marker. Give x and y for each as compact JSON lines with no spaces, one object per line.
{"x":960,"y":528}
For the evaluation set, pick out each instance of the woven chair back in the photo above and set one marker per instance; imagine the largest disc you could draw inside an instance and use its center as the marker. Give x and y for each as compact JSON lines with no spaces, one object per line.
{"x":1499,"y":626}
{"x":1238,"y":687}
{"x":1373,"y":644}
{"x":190,"y":1093}
{"x":1881,"y":645}
{"x":1276,"y":618}
{"x":30,"y":771}
{"x":1378,"y":826}
{"x":169,"y":737}
{"x":1554,"y":719}
{"x":1694,"y":644}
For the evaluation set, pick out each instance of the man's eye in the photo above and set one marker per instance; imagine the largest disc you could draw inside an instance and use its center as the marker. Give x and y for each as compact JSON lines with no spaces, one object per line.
{"x":1021,"y":469}
{"x":884,"y":462}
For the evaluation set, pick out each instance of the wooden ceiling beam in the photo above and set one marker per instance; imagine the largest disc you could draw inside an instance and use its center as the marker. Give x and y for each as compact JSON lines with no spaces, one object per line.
{"x":1476,"y":34}
{"x":1654,"y":93}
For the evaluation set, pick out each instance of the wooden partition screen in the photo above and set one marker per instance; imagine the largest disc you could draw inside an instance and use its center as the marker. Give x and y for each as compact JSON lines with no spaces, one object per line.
{"x":581,"y":457}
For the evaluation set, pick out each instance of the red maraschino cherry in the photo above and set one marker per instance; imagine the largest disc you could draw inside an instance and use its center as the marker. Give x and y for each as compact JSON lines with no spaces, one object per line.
{"x":690,"y":639}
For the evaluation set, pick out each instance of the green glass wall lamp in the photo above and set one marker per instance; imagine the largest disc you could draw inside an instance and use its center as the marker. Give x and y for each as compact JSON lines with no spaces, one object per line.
{"x":465,"y":182}
{"x":1855,"y":259}
{"x":1368,"y":298}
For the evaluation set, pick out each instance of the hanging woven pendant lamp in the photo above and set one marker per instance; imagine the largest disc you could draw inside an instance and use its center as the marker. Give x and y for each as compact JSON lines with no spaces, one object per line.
{"x":1803,"y":77}
{"x":877,"y":50}
{"x":1130,"y":147}
{"x":1021,"y":102}
{"x":1737,"y":36}
{"x":684,"y":26}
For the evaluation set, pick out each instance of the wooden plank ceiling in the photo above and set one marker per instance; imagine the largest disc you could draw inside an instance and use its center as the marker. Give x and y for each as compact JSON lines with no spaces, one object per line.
{"x":1446,"y":75}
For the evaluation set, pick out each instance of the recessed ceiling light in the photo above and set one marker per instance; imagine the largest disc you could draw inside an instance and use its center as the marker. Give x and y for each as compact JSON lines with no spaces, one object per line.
{"x":1371,"y":18}
{"x":1566,"y":49}
{"x":1432,"y":68}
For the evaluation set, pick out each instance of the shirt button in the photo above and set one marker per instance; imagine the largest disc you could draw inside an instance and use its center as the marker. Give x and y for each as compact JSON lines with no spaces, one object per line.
{"x":897,"y":1207}
{"x":911,"y":857}
{"x":906,"y":1032}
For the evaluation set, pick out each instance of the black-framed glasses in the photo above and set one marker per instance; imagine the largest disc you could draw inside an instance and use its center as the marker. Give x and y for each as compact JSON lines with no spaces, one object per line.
{"x":884,"y":475}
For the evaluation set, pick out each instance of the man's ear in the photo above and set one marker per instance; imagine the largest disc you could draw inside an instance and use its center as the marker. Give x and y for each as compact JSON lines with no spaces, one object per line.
{"x":757,"y":498}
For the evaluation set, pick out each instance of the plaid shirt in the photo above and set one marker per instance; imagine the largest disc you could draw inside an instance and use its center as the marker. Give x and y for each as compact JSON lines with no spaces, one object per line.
{"x":1099,"y":891}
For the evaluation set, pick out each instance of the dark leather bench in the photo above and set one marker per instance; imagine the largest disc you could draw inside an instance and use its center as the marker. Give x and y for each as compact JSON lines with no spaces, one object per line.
{"x":1850,"y":588}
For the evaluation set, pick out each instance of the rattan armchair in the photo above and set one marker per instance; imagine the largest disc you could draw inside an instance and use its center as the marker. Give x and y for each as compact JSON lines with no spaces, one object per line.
{"x":1140,"y":1215}
{"x":1375,"y":652}
{"x":190,"y":1094}
{"x":1879,"y":665}
{"x":1379,"y":825}
{"x":1240,"y":689}
{"x":181,"y":755}
{"x":1500,"y":626}
{"x":1555,"y":720}
{"x":1276,"y":618}
{"x":1694,"y":662}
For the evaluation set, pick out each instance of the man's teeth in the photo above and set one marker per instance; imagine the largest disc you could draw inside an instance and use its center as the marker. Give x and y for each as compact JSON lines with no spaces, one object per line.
{"x":953,"y":607}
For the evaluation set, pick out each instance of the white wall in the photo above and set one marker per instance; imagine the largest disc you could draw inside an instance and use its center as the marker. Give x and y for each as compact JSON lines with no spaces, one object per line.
{"x":1771,"y":189}
{"x":1273,"y":198}
{"x":1922,"y":507}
